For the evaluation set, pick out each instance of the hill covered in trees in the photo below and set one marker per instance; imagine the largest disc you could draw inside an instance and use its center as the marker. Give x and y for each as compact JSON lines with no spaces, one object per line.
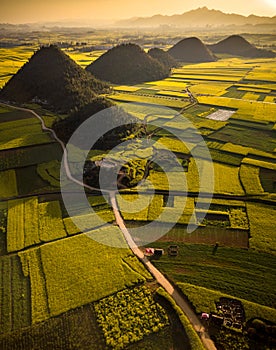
{"x":54,"y":79}
{"x":127,"y":64}
{"x":236,"y":45}
{"x":163,"y":57}
{"x":191,"y":50}
{"x":64,"y":128}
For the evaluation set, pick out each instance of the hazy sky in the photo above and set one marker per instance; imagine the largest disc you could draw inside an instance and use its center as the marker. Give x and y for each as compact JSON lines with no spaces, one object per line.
{"x":22,"y":11}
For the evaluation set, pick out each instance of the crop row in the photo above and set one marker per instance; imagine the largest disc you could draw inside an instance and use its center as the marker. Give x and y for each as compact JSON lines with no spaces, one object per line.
{"x":14,"y":296}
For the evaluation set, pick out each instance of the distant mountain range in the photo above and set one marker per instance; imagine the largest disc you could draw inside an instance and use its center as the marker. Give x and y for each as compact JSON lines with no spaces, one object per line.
{"x":200,"y":17}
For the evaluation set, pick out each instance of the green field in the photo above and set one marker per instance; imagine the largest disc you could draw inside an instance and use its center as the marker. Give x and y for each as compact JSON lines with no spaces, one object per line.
{"x":172,"y":102}
{"x":21,"y":133}
{"x":127,"y":325}
{"x":261,"y":218}
{"x":15,"y":296}
{"x":203,"y":300}
{"x":11,"y":60}
{"x":30,"y":223}
{"x":28,"y":156}
{"x":8,"y":185}
{"x":59,"y":287}
{"x":244,"y":274}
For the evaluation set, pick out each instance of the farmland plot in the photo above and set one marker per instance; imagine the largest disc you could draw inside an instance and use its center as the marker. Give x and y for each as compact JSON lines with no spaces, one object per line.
{"x":30,"y":223}
{"x":168,"y":102}
{"x":95,"y":270}
{"x":15,"y":229}
{"x":262,"y":218}
{"x":250,"y":179}
{"x":12,"y":59}
{"x":128,"y":316}
{"x":8,"y":185}
{"x":50,"y":222}
{"x":17,"y":134}
{"x":32,"y":267}
{"x":242,"y":273}
{"x":227,"y":179}
{"x":14,"y":295}
{"x":204,"y":299}
{"x":27,"y":156}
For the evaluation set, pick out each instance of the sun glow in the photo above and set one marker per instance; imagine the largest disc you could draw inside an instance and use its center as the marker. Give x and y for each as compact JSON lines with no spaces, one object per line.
{"x":272,"y":3}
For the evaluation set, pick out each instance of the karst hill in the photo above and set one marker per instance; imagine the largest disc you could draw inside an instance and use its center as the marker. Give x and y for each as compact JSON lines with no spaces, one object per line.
{"x":236,"y":45}
{"x":54,"y":79}
{"x":127,"y":64}
{"x":163,"y":57}
{"x":191,"y":50}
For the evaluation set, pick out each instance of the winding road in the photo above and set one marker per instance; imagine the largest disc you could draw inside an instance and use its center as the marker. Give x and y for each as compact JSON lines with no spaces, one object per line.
{"x":160,"y":278}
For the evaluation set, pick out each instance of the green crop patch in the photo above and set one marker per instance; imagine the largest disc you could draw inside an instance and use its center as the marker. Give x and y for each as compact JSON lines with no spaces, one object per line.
{"x":203,"y":300}
{"x":227,"y":179}
{"x":72,"y":330}
{"x":250,"y":179}
{"x":8,"y":114}
{"x":50,"y":222}
{"x":254,"y":138}
{"x":225,"y":157}
{"x":88,"y":222}
{"x":27,"y":156}
{"x":261,"y":218}
{"x":15,"y":229}
{"x":8,"y":185}
{"x":30,"y":223}
{"x":258,"y":110}
{"x":32,"y":267}
{"x":94,"y":267}
{"x":19,"y":134}
{"x":244,"y":274}
{"x":128,"y":316}
{"x":210,"y":88}
{"x":14,"y":295}
{"x":158,"y":100}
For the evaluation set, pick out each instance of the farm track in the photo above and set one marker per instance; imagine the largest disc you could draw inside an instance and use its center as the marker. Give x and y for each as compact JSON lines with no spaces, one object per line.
{"x":179,"y":299}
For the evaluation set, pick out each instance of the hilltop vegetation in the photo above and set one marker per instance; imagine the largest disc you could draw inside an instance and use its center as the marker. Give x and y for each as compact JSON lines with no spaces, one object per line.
{"x":163,"y":57}
{"x":53,"y":79}
{"x":236,"y":45}
{"x":191,"y":50}
{"x":127,"y":64}
{"x":65,"y":128}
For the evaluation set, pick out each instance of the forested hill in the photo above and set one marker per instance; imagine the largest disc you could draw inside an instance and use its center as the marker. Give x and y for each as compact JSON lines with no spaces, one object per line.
{"x":127,"y":64}
{"x":236,"y":45}
{"x":53,"y":78}
{"x":191,"y":50}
